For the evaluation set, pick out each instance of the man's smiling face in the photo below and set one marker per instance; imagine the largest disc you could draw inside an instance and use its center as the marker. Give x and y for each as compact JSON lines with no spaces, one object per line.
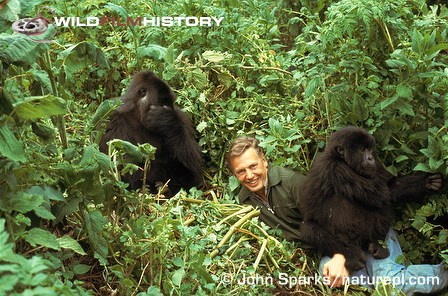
{"x":251,"y":170}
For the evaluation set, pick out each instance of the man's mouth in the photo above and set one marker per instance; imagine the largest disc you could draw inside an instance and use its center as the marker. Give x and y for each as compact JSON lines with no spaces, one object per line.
{"x":251,"y":183}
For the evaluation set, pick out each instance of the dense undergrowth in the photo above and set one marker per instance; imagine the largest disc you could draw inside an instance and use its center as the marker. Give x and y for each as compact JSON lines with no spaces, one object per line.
{"x":288,"y":72}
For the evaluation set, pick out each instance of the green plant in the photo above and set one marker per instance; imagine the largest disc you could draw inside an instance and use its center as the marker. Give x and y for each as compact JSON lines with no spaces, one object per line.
{"x":287,"y":72}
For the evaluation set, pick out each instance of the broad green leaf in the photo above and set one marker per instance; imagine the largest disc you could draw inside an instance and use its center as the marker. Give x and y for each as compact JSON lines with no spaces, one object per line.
{"x":312,"y":86}
{"x":226,"y":79}
{"x":417,"y":40}
{"x":10,"y":147}
{"x":103,"y":112}
{"x":423,"y":167}
{"x":42,"y":237}
{"x":6,"y":247}
{"x":201,"y":126}
{"x":23,"y":202}
{"x":152,"y":291}
{"x":233,"y":183}
{"x":68,"y":242}
{"x":35,"y":264}
{"x":179,"y":262}
{"x":94,"y":224}
{"x":405,"y":108}
{"x":118,"y":9}
{"x":433,"y":51}
{"x":125,"y":147}
{"x":401,"y":158}
{"x":169,"y":54}
{"x":42,"y":212}
{"x":198,"y":78}
{"x":82,"y":55}
{"x":426,"y":152}
{"x":29,"y":7}
{"x":19,"y":49}
{"x":443,"y":236}
{"x":178,"y":276}
{"x":435,"y":164}
{"x":153,"y":51}
{"x":275,"y":126}
{"x":40,"y":107}
{"x":42,"y":77}
{"x":46,"y":191}
{"x":403,"y":91}
{"x":269,"y":79}
{"x":10,"y":10}
{"x":81,"y":268}
{"x":44,"y":132}
{"x":360,"y":108}
{"x":386,"y":103}
{"x":418,"y":222}
{"x":62,"y":209}
{"x":215,"y":56}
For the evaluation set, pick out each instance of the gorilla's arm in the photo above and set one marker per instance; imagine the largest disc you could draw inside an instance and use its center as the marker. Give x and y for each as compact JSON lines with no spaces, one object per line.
{"x":123,"y":126}
{"x":406,"y":188}
{"x":329,"y":244}
{"x":176,"y":131}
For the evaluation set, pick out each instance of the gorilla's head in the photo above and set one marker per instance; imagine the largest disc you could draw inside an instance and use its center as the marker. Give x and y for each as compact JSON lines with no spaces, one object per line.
{"x":146,"y":91}
{"x":356,"y":147}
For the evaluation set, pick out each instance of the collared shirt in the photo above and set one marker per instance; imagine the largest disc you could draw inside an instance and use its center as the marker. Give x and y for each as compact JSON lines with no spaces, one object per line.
{"x":282,"y":207}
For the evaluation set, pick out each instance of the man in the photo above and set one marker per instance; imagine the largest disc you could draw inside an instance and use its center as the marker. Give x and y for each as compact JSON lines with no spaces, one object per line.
{"x":275,"y":191}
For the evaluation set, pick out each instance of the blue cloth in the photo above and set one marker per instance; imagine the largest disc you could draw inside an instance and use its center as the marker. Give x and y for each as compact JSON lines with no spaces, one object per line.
{"x":421,"y":278}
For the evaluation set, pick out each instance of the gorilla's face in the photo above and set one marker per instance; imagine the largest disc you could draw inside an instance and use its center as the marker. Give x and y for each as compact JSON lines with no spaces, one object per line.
{"x":147,"y":91}
{"x":356,"y":148}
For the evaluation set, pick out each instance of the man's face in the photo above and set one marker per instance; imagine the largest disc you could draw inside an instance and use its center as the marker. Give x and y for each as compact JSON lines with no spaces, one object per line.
{"x":251,"y":170}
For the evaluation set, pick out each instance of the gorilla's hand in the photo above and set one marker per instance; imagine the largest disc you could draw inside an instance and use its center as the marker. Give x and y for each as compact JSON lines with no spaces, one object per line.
{"x":378,"y":251}
{"x":434,"y":182}
{"x":355,"y":258}
{"x":158,"y":118}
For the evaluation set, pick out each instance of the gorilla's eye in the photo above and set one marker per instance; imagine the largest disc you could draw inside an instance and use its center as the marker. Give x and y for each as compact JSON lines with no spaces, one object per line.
{"x":141,"y":92}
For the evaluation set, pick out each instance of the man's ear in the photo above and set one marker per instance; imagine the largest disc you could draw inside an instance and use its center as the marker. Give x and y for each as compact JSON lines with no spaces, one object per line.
{"x":265,"y":162}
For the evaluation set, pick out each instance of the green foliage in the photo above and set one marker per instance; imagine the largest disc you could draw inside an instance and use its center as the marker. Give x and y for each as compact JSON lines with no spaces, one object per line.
{"x":31,"y":276}
{"x":287,"y":72}
{"x":205,"y":255}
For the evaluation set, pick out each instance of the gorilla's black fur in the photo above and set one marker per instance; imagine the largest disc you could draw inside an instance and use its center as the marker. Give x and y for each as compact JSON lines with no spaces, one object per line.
{"x":148,"y":115}
{"x":348,"y":195}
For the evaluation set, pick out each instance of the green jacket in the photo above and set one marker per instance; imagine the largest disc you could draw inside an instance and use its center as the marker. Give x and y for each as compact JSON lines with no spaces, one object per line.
{"x":282,"y":212}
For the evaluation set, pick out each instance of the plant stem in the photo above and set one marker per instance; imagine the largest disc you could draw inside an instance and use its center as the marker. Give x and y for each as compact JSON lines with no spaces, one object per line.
{"x":57,"y":120}
{"x":232,"y":229}
{"x":260,"y":254}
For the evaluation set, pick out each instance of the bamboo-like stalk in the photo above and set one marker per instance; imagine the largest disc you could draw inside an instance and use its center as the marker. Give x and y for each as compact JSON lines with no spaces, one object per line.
{"x":242,"y":211}
{"x":260,"y":254}
{"x":232,"y":229}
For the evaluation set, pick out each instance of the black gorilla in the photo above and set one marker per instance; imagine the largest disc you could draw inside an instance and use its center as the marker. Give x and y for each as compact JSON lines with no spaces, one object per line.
{"x":148,"y":115}
{"x":348,"y":195}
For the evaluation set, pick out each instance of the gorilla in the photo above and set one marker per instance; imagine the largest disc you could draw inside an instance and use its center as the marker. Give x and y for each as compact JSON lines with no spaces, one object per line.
{"x":148,"y":115}
{"x":347,"y":199}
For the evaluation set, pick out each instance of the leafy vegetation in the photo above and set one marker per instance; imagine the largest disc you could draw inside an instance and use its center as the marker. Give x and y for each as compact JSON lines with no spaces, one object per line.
{"x":288,"y":72}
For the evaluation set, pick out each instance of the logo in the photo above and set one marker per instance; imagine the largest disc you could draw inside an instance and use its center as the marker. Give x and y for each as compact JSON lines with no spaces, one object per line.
{"x":38,"y":29}
{"x":41,"y":29}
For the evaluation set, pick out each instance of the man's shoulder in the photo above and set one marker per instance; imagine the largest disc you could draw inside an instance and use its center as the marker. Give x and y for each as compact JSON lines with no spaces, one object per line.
{"x":283,"y":173}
